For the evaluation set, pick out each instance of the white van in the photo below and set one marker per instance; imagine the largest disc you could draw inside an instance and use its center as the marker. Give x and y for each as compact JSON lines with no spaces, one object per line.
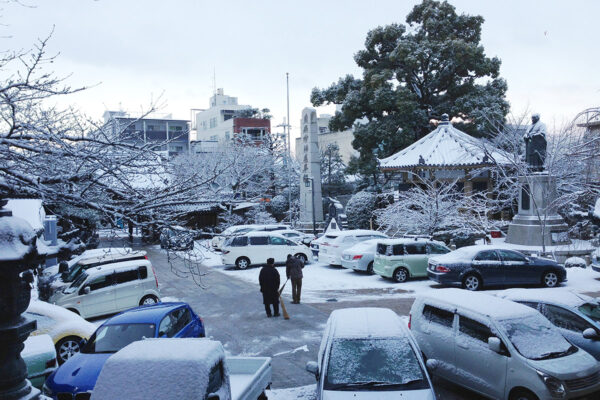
{"x":500,"y":349}
{"x":367,"y":353}
{"x":110,"y":288}
{"x":334,"y":243}
{"x":219,"y":240}
{"x":255,"y":247}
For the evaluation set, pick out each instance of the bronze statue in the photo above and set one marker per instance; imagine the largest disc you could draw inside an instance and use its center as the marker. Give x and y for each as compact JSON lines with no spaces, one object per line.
{"x":535,"y":144}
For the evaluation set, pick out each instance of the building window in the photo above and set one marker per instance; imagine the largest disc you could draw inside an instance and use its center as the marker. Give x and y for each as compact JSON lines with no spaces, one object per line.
{"x":213,"y":122}
{"x":150,"y":127}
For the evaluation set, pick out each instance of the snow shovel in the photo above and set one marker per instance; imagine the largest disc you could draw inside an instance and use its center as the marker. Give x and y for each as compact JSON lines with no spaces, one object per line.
{"x":285,"y":313}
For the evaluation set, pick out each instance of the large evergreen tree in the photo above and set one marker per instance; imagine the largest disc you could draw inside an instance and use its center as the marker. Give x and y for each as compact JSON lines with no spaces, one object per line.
{"x":412,"y":74}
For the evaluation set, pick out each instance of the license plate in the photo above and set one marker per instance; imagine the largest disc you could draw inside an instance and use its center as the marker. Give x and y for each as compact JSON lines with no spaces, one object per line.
{"x":346,"y":257}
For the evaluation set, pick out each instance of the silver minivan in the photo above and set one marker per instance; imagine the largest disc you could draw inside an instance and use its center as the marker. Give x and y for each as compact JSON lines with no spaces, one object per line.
{"x":500,"y":349}
{"x":367,"y":353}
{"x":110,"y":288}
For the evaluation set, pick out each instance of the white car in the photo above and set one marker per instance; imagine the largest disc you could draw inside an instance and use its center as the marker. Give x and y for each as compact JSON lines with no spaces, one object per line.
{"x":331,"y":248}
{"x":66,"y":328}
{"x":219,"y":240}
{"x":40,"y":358}
{"x":256,"y":247}
{"x":92,"y":253}
{"x":297,"y":236}
{"x":110,"y":288}
{"x":367,"y":353}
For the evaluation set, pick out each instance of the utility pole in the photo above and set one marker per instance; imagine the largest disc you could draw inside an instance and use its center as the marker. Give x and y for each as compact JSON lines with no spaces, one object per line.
{"x":289,"y":147}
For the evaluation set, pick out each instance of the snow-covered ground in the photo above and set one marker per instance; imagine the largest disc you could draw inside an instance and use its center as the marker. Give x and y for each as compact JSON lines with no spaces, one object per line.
{"x":300,"y":393}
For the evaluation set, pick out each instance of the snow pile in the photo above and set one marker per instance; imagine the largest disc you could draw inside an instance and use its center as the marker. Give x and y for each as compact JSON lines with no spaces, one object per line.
{"x":16,"y":238}
{"x":38,"y":348}
{"x":575,"y":262}
{"x":31,"y":210}
{"x":296,"y":393}
{"x":165,"y":369}
{"x":63,"y":320}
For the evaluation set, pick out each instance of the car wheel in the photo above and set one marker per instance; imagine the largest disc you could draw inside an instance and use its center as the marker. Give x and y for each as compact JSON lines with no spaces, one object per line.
{"x":370,"y":268}
{"x":401,"y":275}
{"x":242,"y":263}
{"x":550,"y":279}
{"x":302,"y":257}
{"x":472,"y":282}
{"x":148,"y":300}
{"x":66,"y":348}
{"x":522,"y":395}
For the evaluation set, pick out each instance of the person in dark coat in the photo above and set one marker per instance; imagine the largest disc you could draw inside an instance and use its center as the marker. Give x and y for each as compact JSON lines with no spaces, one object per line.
{"x":269,"y":286}
{"x":293,"y":271}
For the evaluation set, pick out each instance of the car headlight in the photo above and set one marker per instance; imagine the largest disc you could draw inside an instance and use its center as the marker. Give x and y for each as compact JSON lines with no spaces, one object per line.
{"x":555,"y":386}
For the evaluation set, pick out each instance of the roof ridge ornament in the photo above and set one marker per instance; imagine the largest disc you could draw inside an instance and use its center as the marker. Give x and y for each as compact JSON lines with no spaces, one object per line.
{"x":445,"y":119}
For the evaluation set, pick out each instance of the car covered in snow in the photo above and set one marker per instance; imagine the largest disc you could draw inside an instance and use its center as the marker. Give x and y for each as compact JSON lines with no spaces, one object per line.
{"x":297,"y":236}
{"x":404,"y":258}
{"x":577,"y":316}
{"x":334,"y":243}
{"x":174,"y":369}
{"x":360,"y":256}
{"x":474,"y":267}
{"x":163,"y":320}
{"x":66,"y":328}
{"x":499,"y":348}
{"x":40,"y":358}
{"x":254,"y":248}
{"x":368,"y":353}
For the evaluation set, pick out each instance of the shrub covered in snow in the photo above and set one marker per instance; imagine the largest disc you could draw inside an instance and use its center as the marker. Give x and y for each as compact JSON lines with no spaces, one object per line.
{"x":575,"y":262}
{"x":279,"y":205}
{"x":359,"y":210}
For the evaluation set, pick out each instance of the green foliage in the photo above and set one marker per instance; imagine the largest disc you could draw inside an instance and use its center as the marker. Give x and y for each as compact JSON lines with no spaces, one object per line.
{"x":359,"y":210}
{"x":254,"y":113}
{"x":332,"y":169}
{"x":412,"y":74}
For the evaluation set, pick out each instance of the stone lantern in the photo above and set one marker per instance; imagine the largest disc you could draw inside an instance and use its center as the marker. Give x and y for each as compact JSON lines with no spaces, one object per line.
{"x":18,"y":253}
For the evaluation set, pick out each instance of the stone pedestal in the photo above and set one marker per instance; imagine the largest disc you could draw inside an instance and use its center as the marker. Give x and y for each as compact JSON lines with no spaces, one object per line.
{"x":537,"y":222}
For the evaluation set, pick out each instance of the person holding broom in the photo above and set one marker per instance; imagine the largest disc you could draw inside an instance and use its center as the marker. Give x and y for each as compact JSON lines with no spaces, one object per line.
{"x":269,"y":286}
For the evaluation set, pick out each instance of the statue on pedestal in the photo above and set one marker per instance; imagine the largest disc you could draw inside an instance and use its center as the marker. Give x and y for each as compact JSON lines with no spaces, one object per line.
{"x":535,"y":144}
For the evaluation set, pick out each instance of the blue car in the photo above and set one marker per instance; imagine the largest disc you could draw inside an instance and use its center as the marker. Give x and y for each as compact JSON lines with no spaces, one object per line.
{"x":474,"y":267}
{"x":77,"y":377}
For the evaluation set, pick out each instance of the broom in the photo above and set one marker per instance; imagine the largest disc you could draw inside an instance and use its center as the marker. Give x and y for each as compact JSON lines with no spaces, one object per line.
{"x":285,"y":313}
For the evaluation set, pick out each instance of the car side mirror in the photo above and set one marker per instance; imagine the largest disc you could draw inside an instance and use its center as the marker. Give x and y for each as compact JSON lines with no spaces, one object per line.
{"x":313,"y":368}
{"x":495,"y":344}
{"x":432,"y":364}
{"x":87,"y":290}
{"x":213,"y":396}
{"x":590,"y":333}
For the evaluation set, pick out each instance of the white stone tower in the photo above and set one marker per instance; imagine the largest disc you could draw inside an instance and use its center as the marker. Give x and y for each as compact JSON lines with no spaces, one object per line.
{"x":310,"y":179}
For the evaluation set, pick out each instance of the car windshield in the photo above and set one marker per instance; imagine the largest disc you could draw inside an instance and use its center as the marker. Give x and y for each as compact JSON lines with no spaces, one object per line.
{"x":536,"y":338}
{"x":373,"y":364}
{"x":112,"y":338}
{"x":73,"y":273}
{"x":77,"y":282}
{"x":591,"y":310}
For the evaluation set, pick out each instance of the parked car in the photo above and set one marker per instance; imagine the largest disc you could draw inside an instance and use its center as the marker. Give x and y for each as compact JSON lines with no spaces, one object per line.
{"x":66,"y":328}
{"x":48,"y":286}
{"x":360,"y":256}
{"x":197,"y":369}
{"x":316,"y":244}
{"x":474,"y":267}
{"x":219,"y":240}
{"x":596,"y":260}
{"x":253,"y":248}
{"x":330,"y":249}
{"x":368,"y":353}
{"x":500,"y":349}
{"x":404,"y":258}
{"x":576,"y":316}
{"x":176,"y":238}
{"x":297,"y":236}
{"x":163,"y":320}
{"x":110,"y":288}
{"x":40,"y":358}
{"x":88,"y":254}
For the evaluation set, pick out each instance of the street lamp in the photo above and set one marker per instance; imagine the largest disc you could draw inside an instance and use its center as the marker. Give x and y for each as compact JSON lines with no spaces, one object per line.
{"x":19,"y":253}
{"x":310,"y":182}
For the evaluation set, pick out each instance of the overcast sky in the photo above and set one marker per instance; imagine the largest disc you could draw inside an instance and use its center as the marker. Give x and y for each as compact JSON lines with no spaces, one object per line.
{"x":131,"y":51}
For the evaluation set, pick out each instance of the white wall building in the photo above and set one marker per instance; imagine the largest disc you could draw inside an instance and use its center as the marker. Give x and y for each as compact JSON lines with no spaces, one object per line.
{"x":216,"y":122}
{"x":343,"y":139}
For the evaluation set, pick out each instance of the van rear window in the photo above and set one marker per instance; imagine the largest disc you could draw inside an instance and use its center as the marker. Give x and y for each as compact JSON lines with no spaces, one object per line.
{"x":438,"y":316}
{"x":239,"y":241}
{"x":381,"y":248}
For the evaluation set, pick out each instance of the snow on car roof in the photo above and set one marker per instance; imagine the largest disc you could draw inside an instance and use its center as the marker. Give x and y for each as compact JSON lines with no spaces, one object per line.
{"x":161,"y":369}
{"x":366,"y":322}
{"x":403,"y":240}
{"x":491,"y":306}
{"x":355,"y":232}
{"x":564,"y":297}
{"x":468,"y":252}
